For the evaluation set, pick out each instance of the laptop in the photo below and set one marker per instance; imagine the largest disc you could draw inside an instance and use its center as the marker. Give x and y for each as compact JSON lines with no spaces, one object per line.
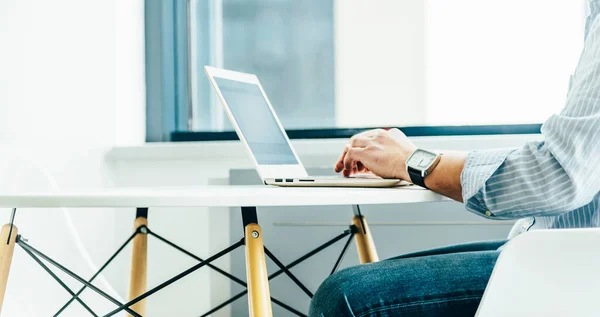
{"x":261,"y":132}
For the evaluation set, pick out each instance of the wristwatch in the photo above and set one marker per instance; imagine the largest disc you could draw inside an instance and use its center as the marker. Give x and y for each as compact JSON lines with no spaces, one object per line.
{"x":420,"y":164}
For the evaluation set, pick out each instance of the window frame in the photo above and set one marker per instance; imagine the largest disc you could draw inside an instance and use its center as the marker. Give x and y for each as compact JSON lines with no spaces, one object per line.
{"x":340,"y":133}
{"x":167,"y":77}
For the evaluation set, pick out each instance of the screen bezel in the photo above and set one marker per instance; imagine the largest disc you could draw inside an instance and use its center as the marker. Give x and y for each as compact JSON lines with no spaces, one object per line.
{"x":264,"y":171}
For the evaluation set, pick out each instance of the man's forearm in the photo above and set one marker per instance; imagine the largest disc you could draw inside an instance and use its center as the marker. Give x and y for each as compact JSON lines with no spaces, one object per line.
{"x":445,"y":178}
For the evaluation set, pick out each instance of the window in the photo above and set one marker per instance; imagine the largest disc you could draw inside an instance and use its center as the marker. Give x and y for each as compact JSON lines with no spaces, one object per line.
{"x":352,"y":64}
{"x":288,"y":44}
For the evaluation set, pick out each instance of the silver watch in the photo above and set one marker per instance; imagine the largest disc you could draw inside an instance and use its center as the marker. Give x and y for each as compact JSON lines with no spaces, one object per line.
{"x":420,"y":164}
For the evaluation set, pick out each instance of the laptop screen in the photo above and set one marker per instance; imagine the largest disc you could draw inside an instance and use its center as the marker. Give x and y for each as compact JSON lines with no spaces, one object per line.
{"x":256,"y":122}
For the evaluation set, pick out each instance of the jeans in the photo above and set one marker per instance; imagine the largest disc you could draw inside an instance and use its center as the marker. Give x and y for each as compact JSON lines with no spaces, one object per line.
{"x":448,"y":281}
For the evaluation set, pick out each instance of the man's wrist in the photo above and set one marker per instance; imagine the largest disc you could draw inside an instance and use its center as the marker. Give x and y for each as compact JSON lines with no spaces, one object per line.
{"x":403,"y":173}
{"x":429,"y":180}
{"x":445,"y":178}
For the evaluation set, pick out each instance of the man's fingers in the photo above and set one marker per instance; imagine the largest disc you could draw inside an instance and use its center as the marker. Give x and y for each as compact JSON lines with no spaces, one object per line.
{"x":353,"y":155}
{"x":348,"y":173}
{"x":339,"y":165}
{"x":360,"y":140}
{"x":360,"y":167}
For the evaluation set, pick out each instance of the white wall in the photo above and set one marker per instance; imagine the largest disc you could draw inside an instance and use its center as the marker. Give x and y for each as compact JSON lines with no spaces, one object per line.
{"x":69,"y":79}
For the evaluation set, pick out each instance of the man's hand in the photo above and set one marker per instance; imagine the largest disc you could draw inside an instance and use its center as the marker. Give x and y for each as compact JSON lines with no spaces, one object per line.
{"x":380,"y":152}
{"x":384,"y":153}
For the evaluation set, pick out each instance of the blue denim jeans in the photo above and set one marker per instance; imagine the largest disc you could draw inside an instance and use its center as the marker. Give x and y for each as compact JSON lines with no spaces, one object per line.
{"x":442,"y":282}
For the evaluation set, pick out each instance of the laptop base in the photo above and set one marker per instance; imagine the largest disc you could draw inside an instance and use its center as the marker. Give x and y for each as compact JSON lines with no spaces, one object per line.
{"x":335,"y":182}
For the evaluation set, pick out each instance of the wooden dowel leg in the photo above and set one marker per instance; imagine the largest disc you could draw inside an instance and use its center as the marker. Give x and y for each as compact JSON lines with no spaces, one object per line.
{"x":367,"y":252}
{"x":6,"y":255}
{"x":139,"y":260}
{"x":259,"y":296}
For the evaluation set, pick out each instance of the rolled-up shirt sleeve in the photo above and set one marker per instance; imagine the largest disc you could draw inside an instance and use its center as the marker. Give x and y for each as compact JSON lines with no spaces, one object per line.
{"x":559,"y":174}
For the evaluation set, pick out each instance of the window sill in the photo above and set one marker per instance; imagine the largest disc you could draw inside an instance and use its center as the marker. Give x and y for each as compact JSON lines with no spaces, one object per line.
{"x":306,"y":149}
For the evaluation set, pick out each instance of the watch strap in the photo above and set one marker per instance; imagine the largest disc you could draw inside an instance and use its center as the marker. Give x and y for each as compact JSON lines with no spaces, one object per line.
{"x":416,"y":177}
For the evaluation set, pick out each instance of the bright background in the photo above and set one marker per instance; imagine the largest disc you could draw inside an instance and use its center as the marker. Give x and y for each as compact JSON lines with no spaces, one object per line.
{"x":72,"y":100}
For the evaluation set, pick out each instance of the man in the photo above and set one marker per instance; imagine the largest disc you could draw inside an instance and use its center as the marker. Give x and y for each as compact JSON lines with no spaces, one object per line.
{"x":548,"y":185}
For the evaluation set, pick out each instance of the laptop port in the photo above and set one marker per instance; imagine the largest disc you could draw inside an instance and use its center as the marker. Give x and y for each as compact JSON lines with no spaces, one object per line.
{"x":307,"y":180}
{"x":289,"y":180}
{"x":278,"y":180}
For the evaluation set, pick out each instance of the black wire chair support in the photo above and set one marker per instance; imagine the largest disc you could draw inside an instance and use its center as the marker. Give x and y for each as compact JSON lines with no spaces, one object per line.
{"x":38,"y":256}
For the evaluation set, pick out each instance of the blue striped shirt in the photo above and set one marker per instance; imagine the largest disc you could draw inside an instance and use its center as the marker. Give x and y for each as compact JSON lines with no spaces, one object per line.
{"x":554,"y":183}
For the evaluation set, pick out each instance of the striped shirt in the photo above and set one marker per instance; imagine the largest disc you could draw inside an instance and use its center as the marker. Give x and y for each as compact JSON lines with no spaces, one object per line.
{"x":554,"y":183}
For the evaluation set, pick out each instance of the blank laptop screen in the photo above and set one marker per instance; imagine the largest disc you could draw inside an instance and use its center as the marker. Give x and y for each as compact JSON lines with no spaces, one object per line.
{"x":256,"y":122}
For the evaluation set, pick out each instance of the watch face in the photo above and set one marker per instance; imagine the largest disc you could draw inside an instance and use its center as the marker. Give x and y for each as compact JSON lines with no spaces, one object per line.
{"x":421,"y":160}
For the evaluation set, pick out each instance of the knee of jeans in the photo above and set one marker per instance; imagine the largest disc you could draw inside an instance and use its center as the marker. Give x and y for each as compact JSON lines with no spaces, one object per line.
{"x":331,"y":297}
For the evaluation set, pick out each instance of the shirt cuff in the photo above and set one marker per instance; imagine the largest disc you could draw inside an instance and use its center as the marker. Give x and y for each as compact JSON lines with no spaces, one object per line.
{"x":479,"y":167}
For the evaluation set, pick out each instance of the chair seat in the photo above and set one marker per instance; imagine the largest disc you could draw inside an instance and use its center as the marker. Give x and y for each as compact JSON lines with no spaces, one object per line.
{"x":546,"y":273}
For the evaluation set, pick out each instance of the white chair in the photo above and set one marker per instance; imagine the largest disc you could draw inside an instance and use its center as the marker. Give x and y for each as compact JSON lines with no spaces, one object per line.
{"x":546,"y":273}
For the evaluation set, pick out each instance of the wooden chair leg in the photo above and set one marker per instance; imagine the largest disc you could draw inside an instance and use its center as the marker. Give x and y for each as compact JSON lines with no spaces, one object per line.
{"x":367,"y":253}
{"x":139,"y":260}
{"x":259,"y":296}
{"x":6,"y":255}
